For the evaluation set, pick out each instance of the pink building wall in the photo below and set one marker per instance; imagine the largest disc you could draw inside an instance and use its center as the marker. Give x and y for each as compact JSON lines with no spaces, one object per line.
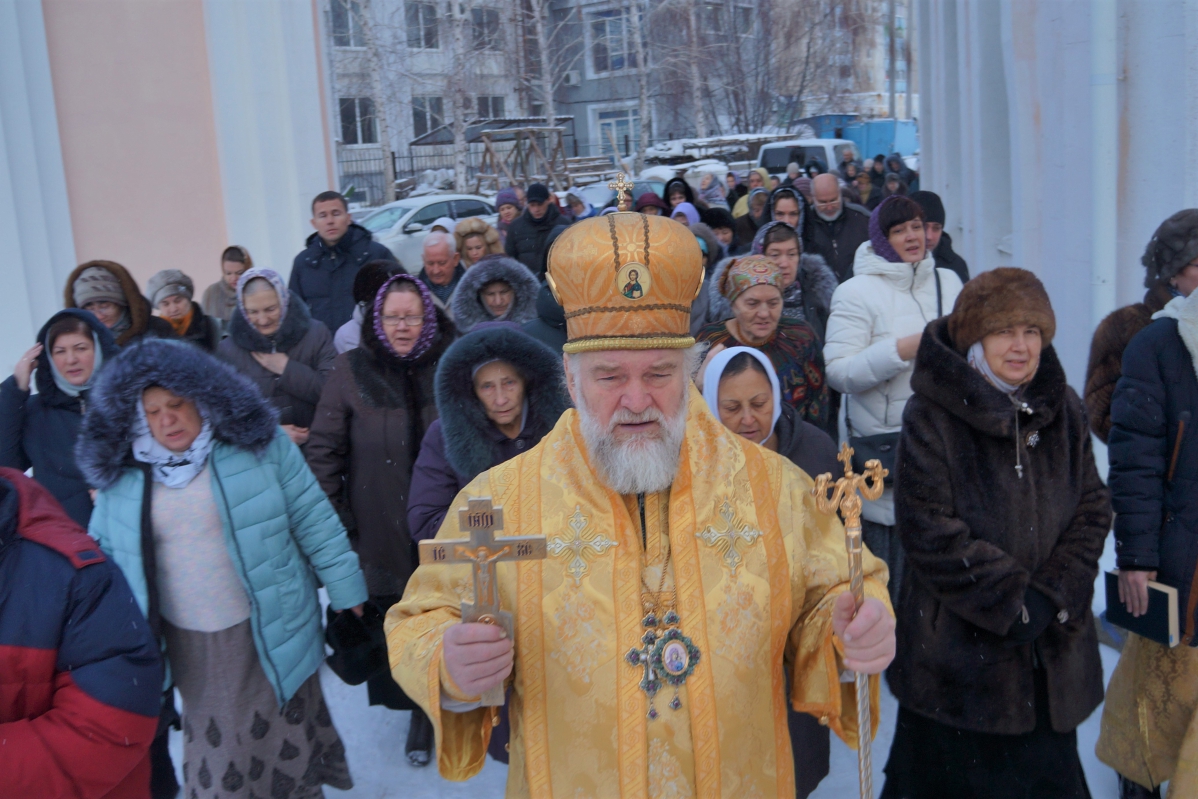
{"x":139,"y":145}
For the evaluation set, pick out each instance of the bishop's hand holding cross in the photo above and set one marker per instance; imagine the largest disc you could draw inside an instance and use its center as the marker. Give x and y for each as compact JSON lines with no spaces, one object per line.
{"x":478,"y":652}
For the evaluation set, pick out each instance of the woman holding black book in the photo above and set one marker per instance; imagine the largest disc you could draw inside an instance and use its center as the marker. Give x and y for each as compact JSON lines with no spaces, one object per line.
{"x":1002,"y":517}
{"x":1150,"y":721}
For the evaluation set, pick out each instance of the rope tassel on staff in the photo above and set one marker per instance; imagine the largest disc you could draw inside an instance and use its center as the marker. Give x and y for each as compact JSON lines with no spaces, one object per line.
{"x":846,"y":496}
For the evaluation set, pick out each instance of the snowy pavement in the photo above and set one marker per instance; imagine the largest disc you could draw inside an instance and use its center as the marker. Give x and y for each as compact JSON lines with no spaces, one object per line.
{"x":374,"y":742}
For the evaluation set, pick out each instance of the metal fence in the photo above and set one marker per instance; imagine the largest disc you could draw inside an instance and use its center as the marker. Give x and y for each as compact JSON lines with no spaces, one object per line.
{"x":363,"y":176}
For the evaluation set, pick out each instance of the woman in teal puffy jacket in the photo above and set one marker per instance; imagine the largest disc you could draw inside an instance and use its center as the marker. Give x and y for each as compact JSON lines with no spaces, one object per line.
{"x":224,"y":536}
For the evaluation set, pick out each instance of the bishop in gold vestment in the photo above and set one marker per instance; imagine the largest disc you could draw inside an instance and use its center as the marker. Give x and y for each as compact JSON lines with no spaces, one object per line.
{"x":751,"y":570}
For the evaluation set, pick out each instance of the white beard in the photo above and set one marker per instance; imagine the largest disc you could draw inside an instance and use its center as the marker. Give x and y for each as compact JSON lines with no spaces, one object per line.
{"x":832,"y":217}
{"x":644,"y":464}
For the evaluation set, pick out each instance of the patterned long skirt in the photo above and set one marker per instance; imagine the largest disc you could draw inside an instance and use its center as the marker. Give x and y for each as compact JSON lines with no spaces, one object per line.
{"x":237,"y":742}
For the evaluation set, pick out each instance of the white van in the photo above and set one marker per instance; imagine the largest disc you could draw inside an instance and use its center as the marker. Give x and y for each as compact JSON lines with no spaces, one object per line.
{"x":775,"y":156}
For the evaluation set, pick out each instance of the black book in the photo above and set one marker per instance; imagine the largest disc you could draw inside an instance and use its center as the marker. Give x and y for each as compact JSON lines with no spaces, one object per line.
{"x":1159,"y":624}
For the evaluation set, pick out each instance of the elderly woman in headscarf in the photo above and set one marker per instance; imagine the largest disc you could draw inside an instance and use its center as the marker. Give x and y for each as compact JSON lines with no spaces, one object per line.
{"x":711,"y":192}
{"x":224,"y":537}
{"x":685,"y":213}
{"x":752,"y":287}
{"x":742,"y":390}
{"x":374,"y":412}
{"x":1003,"y":517}
{"x":108,"y":290}
{"x":497,"y":288}
{"x":170,"y":292}
{"x":757,"y":204}
{"x":276,"y":343}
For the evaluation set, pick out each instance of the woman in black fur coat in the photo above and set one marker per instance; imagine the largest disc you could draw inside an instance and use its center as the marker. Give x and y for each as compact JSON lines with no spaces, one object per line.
{"x":376,"y":407}
{"x":1003,"y":518}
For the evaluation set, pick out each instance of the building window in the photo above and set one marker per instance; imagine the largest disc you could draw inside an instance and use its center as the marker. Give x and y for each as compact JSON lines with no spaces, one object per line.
{"x":357,"y":121}
{"x":623,"y":126}
{"x":347,"y":24}
{"x":490,"y":107}
{"x":537,"y":110}
{"x":714,"y":19}
{"x":484,"y":24}
{"x":612,"y":48}
{"x":428,"y":113}
{"x":421,"y":19}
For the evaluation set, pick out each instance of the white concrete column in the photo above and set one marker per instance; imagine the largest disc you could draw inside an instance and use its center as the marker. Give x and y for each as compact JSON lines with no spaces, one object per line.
{"x":35,"y":217}
{"x":272,"y":129}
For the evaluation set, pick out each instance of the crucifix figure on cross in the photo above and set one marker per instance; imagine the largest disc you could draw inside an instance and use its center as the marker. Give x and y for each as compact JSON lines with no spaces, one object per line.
{"x":483,"y":550}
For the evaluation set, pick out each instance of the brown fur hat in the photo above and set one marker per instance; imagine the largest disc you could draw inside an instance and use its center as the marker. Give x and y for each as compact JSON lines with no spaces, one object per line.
{"x":1173,"y":245}
{"x":996,"y":300}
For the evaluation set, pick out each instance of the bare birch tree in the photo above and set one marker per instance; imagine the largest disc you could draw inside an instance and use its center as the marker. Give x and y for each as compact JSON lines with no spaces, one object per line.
{"x":382,"y":118}
{"x":697,"y":105}
{"x":639,"y":19}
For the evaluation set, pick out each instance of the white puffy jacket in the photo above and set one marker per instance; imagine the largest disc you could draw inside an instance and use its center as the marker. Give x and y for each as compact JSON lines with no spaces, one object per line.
{"x":881,"y":303}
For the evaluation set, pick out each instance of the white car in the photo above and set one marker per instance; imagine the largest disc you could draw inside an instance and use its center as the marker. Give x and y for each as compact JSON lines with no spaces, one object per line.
{"x":403,"y":224}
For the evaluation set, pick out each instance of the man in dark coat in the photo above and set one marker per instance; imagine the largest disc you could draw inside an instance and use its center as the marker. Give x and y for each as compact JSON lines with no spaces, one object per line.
{"x":834,"y":229}
{"x":1172,"y":248}
{"x":940,"y":245}
{"x":526,"y":236}
{"x":82,"y":679}
{"x":39,"y":430}
{"x":322,"y":275}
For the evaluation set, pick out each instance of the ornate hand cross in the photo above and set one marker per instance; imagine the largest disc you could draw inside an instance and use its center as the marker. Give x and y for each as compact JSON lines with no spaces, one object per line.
{"x":845,"y":496}
{"x":483,"y":550}
{"x":623,"y":190}
{"x":578,"y":546}
{"x":730,"y":536}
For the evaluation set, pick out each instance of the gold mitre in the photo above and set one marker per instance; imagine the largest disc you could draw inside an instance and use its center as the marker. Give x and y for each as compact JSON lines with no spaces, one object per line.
{"x":626,"y":281}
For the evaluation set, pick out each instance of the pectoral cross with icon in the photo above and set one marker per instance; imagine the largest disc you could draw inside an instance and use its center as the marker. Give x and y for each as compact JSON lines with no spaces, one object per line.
{"x":483,"y":550}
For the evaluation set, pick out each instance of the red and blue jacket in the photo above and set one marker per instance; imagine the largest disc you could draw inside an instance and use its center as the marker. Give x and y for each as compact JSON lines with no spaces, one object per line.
{"x":80,"y":675}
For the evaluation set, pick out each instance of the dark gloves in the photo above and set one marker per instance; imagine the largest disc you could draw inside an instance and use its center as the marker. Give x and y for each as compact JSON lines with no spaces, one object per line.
{"x":1038,"y":613}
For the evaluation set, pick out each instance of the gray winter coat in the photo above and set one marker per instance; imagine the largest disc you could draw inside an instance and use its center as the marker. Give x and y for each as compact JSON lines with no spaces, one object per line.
{"x":466,"y":305}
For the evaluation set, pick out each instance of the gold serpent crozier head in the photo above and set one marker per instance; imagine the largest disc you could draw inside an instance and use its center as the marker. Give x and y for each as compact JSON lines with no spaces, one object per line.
{"x":876,"y":476}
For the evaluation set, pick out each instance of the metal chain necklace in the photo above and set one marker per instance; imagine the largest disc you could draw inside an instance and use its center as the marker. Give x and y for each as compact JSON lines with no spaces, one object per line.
{"x":666,"y":654}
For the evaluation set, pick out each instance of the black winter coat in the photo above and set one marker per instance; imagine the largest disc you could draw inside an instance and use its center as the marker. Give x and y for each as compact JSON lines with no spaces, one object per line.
{"x":310,"y":354}
{"x":982,"y":543}
{"x":526,"y":238}
{"x":373,"y":414}
{"x":947,"y":258}
{"x":549,"y":326}
{"x":837,"y":241}
{"x":1156,"y":522}
{"x":204,"y":331}
{"x":323,"y":276}
{"x":39,"y":430}
{"x":805,"y":445}
{"x":463,"y":442}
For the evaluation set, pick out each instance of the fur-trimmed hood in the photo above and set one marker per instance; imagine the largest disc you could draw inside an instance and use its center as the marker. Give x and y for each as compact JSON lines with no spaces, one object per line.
{"x":469,"y":435}
{"x":140,"y":312}
{"x":467,"y":307}
{"x":238,"y":413}
{"x":296,"y":321}
{"x":815,"y":278}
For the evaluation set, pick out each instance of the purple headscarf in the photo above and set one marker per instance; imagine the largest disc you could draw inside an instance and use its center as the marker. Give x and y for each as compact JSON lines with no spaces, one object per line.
{"x":427,"y":331}
{"x":687,"y":210}
{"x":877,"y":236}
{"x":270,"y":276}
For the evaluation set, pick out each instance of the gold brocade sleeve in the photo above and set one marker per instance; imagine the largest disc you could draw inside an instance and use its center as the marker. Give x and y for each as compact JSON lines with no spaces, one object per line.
{"x":432,"y":603}
{"x":821,"y":573}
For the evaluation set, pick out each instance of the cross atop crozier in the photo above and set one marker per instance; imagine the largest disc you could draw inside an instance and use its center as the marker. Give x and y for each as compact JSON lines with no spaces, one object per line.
{"x":623,"y":190}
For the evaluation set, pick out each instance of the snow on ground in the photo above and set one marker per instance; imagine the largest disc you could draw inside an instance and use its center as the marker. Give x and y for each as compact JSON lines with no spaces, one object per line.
{"x":374,"y":742}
